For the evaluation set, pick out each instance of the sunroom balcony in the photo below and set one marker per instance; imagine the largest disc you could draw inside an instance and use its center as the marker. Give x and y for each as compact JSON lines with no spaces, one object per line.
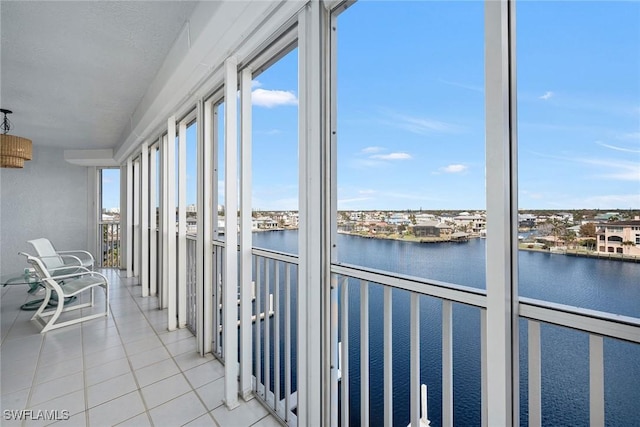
{"x":212,"y":329}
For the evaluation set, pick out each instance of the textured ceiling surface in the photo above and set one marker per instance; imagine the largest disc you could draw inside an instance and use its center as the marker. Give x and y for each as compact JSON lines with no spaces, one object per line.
{"x":74,"y":72}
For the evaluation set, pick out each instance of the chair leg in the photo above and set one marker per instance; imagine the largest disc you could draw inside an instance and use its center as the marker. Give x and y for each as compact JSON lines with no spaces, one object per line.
{"x":50,"y":324}
{"x":106,"y":300}
{"x":44,"y":304}
{"x":91,"y":297}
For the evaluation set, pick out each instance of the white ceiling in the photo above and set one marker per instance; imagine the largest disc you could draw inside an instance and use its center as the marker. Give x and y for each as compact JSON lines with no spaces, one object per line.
{"x":74,"y":72}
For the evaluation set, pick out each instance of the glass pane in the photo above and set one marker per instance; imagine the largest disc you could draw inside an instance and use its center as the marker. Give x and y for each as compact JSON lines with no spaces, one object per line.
{"x":411,"y":139}
{"x":579,"y":199}
{"x":275,"y":156}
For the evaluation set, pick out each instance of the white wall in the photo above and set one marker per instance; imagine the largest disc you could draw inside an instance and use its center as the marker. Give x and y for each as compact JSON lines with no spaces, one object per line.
{"x":47,"y":198}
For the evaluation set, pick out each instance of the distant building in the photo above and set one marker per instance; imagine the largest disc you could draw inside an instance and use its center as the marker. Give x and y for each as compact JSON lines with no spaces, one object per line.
{"x":620,"y":237}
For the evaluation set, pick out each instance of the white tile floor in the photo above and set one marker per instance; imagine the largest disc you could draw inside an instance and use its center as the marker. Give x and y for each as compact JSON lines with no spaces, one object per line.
{"x":125,"y":370}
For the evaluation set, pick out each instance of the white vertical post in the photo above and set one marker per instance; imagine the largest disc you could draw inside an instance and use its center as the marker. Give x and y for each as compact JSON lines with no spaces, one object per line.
{"x":182,"y":224}
{"x":535,"y":375}
{"x":230,"y":282}
{"x":259,"y":261}
{"x":313,"y":292}
{"x":414,"y":371}
{"x":170,"y":243}
{"x":344,"y":368}
{"x":124,"y":220}
{"x":136,"y":218}
{"x":153,"y":224}
{"x":501,"y":266}
{"x":335,"y":350}
{"x":388,"y":356}
{"x":483,"y":368}
{"x":206,"y":208}
{"x":596,"y":380}
{"x":129,"y":215}
{"x":287,"y":340}
{"x":246,"y":242}
{"x":164,"y":264}
{"x":447,"y":363}
{"x":276,"y":336}
{"x":144,"y":219}
{"x":364,"y":352}
{"x":267,"y":329}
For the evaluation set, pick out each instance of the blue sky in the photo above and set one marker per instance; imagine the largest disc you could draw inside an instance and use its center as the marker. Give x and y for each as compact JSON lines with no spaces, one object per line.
{"x":411,"y":108}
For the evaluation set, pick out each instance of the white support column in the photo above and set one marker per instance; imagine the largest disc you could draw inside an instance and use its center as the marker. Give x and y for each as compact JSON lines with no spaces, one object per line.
{"x":136,"y":218}
{"x":162,"y":300}
{"x":314,"y":402}
{"x":129,"y":216}
{"x":230,"y":281}
{"x":182,"y":225}
{"x":153,"y":225}
{"x":205,"y":233}
{"x":501,"y":267}
{"x":203,"y":242}
{"x":169,"y":280}
{"x":144,"y":219}
{"x":246,"y":242}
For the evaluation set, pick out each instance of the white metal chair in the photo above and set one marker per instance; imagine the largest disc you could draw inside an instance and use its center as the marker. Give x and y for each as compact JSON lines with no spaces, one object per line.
{"x":61,"y":261}
{"x":78,"y":283}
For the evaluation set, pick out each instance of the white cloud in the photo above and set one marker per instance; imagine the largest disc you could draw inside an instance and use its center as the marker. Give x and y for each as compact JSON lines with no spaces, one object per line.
{"x":273,"y":98}
{"x":630,"y":135}
{"x":463,"y":85}
{"x":547,"y":95}
{"x":615,"y":147}
{"x":255,"y":84}
{"x":454,"y":168}
{"x":422,"y":126}
{"x":370,"y":150}
{"x":392,"y":156}
{"x":620,"y":170}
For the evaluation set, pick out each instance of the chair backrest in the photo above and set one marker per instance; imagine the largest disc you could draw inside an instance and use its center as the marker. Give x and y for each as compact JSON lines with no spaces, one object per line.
{"x":42,"y":272}
{"x":47,"y":253}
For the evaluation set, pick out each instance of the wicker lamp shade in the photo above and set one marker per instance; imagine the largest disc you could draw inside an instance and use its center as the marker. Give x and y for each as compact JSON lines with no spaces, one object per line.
{"x":14,"y":150}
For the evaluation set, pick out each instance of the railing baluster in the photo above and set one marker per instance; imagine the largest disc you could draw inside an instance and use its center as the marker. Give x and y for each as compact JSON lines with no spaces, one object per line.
{"x":267,"y":332}
{"x":596,"y":380}
{"x":287,"y":339}
{"x":447,"y":363}
{"x":334,"y":349}
{"x":388,"y":357}
{"x":258,"y":337}
{"x":415,"y":360}
{"x":344,"y":365}
{"x":364,"y":353}
{"x":483,"y":368}
{"x":535,"y":374}
{"x":276,"y":337}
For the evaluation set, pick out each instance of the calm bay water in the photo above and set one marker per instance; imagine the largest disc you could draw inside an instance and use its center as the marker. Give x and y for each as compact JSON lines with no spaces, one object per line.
{"x":604,"y":285}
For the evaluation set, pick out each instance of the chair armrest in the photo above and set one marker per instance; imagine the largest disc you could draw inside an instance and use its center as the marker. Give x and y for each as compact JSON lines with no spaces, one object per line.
{"x":67,"y":271}
{"x":83,"y":273}
{"x":76,"y":260}
{"x":86,"y":253}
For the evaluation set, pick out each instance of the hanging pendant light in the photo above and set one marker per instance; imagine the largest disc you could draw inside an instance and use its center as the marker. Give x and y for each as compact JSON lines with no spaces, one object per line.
{"x":14,"y":150}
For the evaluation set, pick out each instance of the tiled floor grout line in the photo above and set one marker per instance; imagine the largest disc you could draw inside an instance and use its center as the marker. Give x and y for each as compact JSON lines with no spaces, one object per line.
{"x":133,"y":374}
{"x":182,"y":372}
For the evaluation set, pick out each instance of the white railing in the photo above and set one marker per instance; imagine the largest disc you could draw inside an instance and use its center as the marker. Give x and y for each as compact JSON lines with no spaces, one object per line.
{"x":218,"y":274}
{"x":354,"y":292}
{"x":192,"y":318}
{"x":274,"y":339}
{"x":109,"y":242}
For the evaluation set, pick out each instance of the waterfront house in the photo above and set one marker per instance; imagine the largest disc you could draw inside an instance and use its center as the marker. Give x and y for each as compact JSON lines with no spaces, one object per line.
{"x":117,"y":85}
{"x":619,"y":237}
